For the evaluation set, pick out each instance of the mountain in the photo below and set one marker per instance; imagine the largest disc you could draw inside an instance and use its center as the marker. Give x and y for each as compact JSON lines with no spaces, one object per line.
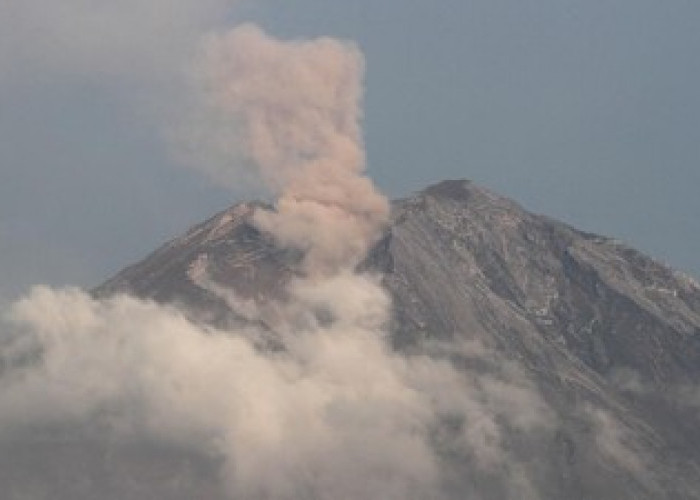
{"x":610,"y":337}
{"x":586,"y":351}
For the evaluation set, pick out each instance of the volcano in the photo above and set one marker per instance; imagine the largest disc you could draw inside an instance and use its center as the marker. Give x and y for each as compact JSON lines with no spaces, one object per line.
{"x":602,"y":339}
{"x":609,"y":337}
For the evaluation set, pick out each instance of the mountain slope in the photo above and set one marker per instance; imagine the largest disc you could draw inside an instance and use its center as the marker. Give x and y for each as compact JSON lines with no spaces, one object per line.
{"x":586,"y":351}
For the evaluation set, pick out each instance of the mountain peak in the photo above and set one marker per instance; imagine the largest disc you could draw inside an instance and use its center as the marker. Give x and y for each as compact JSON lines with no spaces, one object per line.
{"x":454,"y":188}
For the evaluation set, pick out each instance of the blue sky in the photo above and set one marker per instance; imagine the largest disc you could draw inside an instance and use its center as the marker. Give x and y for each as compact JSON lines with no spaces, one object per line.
{"x":587,"y":111}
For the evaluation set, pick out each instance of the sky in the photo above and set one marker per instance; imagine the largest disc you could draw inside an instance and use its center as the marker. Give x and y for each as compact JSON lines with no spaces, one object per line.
{"x":587,"y":111}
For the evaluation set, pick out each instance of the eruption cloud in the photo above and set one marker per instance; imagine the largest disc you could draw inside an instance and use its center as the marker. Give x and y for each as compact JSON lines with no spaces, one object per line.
{"x":295,"y":110}
{"x":333,"y":412}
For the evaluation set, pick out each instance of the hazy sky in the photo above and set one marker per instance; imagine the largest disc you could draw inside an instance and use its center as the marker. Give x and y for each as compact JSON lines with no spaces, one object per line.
{"x":587,"y":111}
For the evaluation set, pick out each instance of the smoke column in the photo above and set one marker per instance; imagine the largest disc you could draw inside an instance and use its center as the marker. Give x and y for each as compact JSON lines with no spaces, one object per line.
{"x":296,"y":107}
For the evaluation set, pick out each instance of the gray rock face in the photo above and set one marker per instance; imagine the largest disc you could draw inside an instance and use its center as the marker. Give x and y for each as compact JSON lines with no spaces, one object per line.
{"x":607,"y":339}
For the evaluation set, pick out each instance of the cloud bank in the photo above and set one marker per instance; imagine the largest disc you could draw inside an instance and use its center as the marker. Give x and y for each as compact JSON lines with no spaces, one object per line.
{"x":333,"y":414}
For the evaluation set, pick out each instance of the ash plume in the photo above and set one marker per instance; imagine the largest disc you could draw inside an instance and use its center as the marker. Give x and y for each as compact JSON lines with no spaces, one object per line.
{"x":294,"y":110}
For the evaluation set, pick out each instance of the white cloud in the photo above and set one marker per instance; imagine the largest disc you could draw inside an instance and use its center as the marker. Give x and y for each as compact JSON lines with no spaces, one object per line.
{"x":334,"y":414}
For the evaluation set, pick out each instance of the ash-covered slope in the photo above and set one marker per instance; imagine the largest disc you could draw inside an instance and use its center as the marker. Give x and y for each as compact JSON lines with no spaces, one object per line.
{"x":592,"y":341}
